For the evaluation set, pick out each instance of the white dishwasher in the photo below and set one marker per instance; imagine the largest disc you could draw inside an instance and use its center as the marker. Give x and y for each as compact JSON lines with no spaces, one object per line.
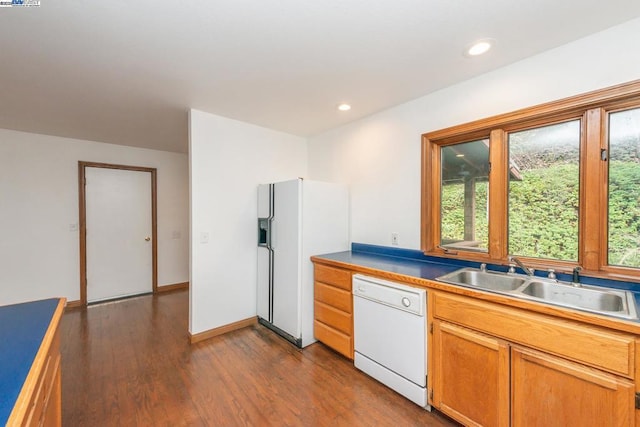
{"x":390,"y":341}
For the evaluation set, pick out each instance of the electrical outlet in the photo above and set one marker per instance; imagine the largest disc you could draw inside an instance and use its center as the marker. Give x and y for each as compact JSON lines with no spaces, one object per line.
{"x":394,"y":239}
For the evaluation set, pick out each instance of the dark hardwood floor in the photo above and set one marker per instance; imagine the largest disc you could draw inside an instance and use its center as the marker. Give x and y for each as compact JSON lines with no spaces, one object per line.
{"x":130,"y":363}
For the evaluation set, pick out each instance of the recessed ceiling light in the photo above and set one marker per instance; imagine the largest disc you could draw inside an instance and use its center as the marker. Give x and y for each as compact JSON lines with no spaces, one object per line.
{"x":459,"y":155}
{"x":479,"y":47}
{"x":344,"y":107}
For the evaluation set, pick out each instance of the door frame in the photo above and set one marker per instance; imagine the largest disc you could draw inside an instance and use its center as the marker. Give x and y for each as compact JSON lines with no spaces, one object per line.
{"x":83,"y":221}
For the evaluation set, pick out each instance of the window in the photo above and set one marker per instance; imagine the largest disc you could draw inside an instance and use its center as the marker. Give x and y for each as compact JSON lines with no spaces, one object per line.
{"x":464,"y":195}
{"x":544,"y":191}
{"x":556,"y":184}
{"x":624,"y":189}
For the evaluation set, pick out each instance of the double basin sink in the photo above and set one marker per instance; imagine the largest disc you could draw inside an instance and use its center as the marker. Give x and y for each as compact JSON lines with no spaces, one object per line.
{"x":595,"y":299}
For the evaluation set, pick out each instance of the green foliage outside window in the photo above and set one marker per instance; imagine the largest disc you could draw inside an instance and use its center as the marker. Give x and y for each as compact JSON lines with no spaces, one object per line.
{"x":544,"y":212}
{"x":551,"y":193}
{"x":624,"y":213}
{"x":453,"y":212}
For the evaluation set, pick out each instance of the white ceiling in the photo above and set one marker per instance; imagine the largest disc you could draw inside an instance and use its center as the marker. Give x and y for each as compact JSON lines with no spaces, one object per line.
{"x":126,"y":72}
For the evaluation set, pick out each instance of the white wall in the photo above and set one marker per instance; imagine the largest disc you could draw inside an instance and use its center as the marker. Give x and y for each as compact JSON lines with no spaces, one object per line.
{"x":228,"y":159}
{"x":379,"y":156}
{"x":39,"y":254}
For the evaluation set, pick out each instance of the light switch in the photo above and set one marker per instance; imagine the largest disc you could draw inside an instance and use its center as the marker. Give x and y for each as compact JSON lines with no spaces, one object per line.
{"x":204,"y":237}
{"x":73,"y":227}
{"x":176,"y":234}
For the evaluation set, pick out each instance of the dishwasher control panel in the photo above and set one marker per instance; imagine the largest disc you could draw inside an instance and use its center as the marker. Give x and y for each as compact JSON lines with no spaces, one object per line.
{"x":389,"y":293}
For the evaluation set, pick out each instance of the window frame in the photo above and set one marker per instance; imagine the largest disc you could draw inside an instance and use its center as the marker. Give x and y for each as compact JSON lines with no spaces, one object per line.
{"x":592,"y":109}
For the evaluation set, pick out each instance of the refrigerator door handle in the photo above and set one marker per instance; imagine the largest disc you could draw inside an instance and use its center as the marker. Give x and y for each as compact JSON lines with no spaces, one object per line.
{"x":272,"y":196}
{"x":271,"y":273}
{"x":272,"y":239}
{"x":268,"y":234}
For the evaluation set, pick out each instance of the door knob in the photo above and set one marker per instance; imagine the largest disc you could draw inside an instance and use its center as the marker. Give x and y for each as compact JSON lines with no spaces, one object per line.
{"x":146,"y":239}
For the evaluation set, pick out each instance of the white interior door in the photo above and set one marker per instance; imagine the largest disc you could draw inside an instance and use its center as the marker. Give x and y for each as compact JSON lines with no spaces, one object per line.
{"x":119,"y":232}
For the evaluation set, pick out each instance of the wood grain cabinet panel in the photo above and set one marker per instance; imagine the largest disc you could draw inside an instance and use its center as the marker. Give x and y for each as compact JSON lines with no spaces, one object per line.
{"x":333,"y":308}
{"x":527,"y":371}
{"x":550,"y":391}
{"x":52,"y":412}
{"x":338,"y":341}
{"x":595,"y":346}
{"x":333,"y":276}
{"x":335,"y":297}
{"x":333,"y":317}
{"x":45,"y":406}
{"x":471,"y":377}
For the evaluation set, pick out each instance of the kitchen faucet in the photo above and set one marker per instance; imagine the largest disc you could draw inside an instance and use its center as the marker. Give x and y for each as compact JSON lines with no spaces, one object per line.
{"x":575,"y":280}
{"x":528,"y":271}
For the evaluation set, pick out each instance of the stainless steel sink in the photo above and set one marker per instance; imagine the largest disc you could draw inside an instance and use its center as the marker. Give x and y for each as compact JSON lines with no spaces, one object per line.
{"x":608,"y":301}
{"x":483,"y":279}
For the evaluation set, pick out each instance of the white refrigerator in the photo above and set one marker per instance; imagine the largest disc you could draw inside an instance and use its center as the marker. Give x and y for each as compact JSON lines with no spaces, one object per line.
{"x":296,"y":219}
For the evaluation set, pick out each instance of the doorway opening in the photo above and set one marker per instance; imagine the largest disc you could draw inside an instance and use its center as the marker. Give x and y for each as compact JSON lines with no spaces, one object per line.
{"x":146,"y":182}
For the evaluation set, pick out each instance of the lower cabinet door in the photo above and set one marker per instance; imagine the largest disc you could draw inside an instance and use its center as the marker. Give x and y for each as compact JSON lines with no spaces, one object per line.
{"x":550,"y":391}
{"x":471,"y":375}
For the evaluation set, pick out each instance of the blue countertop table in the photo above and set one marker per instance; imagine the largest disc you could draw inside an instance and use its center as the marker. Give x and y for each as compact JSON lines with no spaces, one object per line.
{"x":22,"y":330}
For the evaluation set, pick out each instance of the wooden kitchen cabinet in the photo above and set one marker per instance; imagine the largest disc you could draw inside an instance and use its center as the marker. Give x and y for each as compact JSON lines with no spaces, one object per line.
{"x":550,"y":391}
{"x":472,"y":381}
{"x":333,"y":308}
{"x":496,"y":365}
{"x":32,"y":337}
{"x":45,"y":407}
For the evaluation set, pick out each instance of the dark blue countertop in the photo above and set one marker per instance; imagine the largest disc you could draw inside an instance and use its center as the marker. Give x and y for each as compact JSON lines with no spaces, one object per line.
{"x":414,"y":263}
{"x":408,"y":267}
{"x":22,"y":328}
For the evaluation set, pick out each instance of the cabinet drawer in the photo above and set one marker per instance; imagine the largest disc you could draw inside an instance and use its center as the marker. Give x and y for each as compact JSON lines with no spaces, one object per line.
{"x":44,"y":386}
{"x":36,"y":407}
{"x":50,"y":377}
{"x":52,"y":366}
{"x":333,"y":276}
{"x":335,"y":318}
{"x":335,"y":297}
{"x":605,"y":349}
{"x":332,"y":338}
